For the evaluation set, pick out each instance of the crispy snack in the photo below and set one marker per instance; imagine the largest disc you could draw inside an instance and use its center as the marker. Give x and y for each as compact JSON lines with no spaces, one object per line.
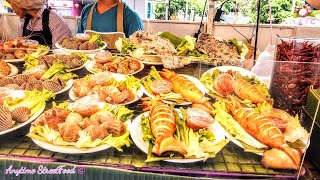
{"x":4,"y":69}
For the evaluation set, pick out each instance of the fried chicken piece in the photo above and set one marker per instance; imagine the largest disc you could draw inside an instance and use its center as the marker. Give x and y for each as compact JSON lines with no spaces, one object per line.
{"x":52,"y":118}
{"x":88,"y":122}
{"x":114,"y":127}
{"x":104,"y":116}
{"x":122,"y":87}
{"x":69,"y":131}
{"x":84,"y":46}
{"x":74,"y":117}
{"x":129,"y":94}
{"x":96,"y":132}
{"x":92,"y":46}
{"x":19,"y":53}
{"x":4,"y":69}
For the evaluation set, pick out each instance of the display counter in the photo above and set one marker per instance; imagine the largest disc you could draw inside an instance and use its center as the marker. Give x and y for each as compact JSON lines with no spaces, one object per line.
{"x":18,"y":151}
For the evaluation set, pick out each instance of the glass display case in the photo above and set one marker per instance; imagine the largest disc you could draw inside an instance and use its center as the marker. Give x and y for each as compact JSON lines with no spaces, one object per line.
{"x":231,"y":162}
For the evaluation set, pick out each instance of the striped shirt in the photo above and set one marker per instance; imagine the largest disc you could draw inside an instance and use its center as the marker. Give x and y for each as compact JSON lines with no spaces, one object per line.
{"x":58,"y":27}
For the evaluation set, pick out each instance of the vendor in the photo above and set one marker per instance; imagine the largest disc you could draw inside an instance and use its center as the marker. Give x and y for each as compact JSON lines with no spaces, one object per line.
{"x":43,"y":25}
{"x":109,"y":16}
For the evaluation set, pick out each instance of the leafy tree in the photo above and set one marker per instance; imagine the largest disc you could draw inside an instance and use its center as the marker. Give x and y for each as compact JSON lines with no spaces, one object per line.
{"x":176,"y":5}
{"x":281,"y":9}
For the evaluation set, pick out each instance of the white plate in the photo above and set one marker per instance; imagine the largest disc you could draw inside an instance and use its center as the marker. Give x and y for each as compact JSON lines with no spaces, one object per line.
{"x":13,"y":70}
{"x":242,"y":71}
{"x":71,"y":149}
{"x":151,"y":63}
{"x":232,"y":139}
{"x":118,"y":77}
{"x":13,"y":60}
{"x":90,"y":68}
{"x":196,"y":81}
{"x":69,"y":84}
{"x":20,"y":94}
{"x":62,"y":49}
{"x":137,"y":137}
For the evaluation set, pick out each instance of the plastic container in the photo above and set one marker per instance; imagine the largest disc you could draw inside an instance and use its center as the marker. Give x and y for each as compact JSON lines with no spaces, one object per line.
{"x":296,"y":68}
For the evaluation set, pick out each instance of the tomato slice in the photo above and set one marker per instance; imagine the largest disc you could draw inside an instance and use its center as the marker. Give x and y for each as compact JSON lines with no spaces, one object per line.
{"x":161,"y":86}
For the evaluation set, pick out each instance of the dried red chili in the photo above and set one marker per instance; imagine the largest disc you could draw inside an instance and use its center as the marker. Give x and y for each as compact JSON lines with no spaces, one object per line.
{"x":296,"y":68}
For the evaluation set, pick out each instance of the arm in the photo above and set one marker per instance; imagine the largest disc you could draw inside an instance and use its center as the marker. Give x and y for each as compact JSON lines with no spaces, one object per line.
{"x":314,"y":3}
{"x":83,"y":18}
{"x":132,"y":23}
{"x":20,"y":27}
{"x":58,"y":27}
{"x":81,"y":28}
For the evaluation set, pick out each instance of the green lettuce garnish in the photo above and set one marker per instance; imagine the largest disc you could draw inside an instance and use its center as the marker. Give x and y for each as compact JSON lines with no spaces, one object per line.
{"x":34,"y":100}
{"x":30,"y":62}
{"x":233,"y":127}
{"x":146,"y":130}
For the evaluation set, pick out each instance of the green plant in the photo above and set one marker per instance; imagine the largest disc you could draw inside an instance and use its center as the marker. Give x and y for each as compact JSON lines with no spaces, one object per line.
{"x":176,"y":5}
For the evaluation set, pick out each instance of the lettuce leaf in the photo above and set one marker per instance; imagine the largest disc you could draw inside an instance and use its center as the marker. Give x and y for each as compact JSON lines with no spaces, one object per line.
{"x":122,"y":113}
{"x":96,"y":38}
{"x":233,"y":127}
{"x":30,"y":100}
{"x":146,"y":130}
{"x":41,"y":50}
{"x":187,"y":44}
{"x":63,"y":105}
{"x":152,"y":76}
{"x":57,"y":67}
{"x":119,"y":142}
{"x":133,"y":84}
{"x":30,"y":62}
{"x":241,"y":47}
{"x":123,"y":45}
{"x":64,"y":76}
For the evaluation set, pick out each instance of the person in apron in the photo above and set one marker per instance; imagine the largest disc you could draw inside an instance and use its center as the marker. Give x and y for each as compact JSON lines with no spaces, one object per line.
{"x":43,"y":25}
{"x":112,"y":19}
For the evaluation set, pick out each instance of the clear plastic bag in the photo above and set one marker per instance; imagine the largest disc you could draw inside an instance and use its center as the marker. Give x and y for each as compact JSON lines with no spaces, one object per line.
{"x":264,"y":64}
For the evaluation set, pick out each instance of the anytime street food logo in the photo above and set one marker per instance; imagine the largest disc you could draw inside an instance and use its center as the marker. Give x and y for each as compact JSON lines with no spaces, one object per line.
{"x":44,"y":170}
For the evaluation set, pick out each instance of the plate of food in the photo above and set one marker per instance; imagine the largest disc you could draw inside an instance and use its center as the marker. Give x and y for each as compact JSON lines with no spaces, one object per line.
{"x":72,"y":61}
{"x":176,"y":135}
{"x":20,"y":108}
{"x":172,"y":87}
{"x":29,"y":83}
{"x":85,"y":126}
{"x":266,"y":131}
{"x":147,"y":47}
{"x":111,"y":88}
{"x":104,"y":61}
{"x":14,"y":50}
{"x":90,"y":45}
{"x":230,"y":82}
{"x":7,"y":69}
